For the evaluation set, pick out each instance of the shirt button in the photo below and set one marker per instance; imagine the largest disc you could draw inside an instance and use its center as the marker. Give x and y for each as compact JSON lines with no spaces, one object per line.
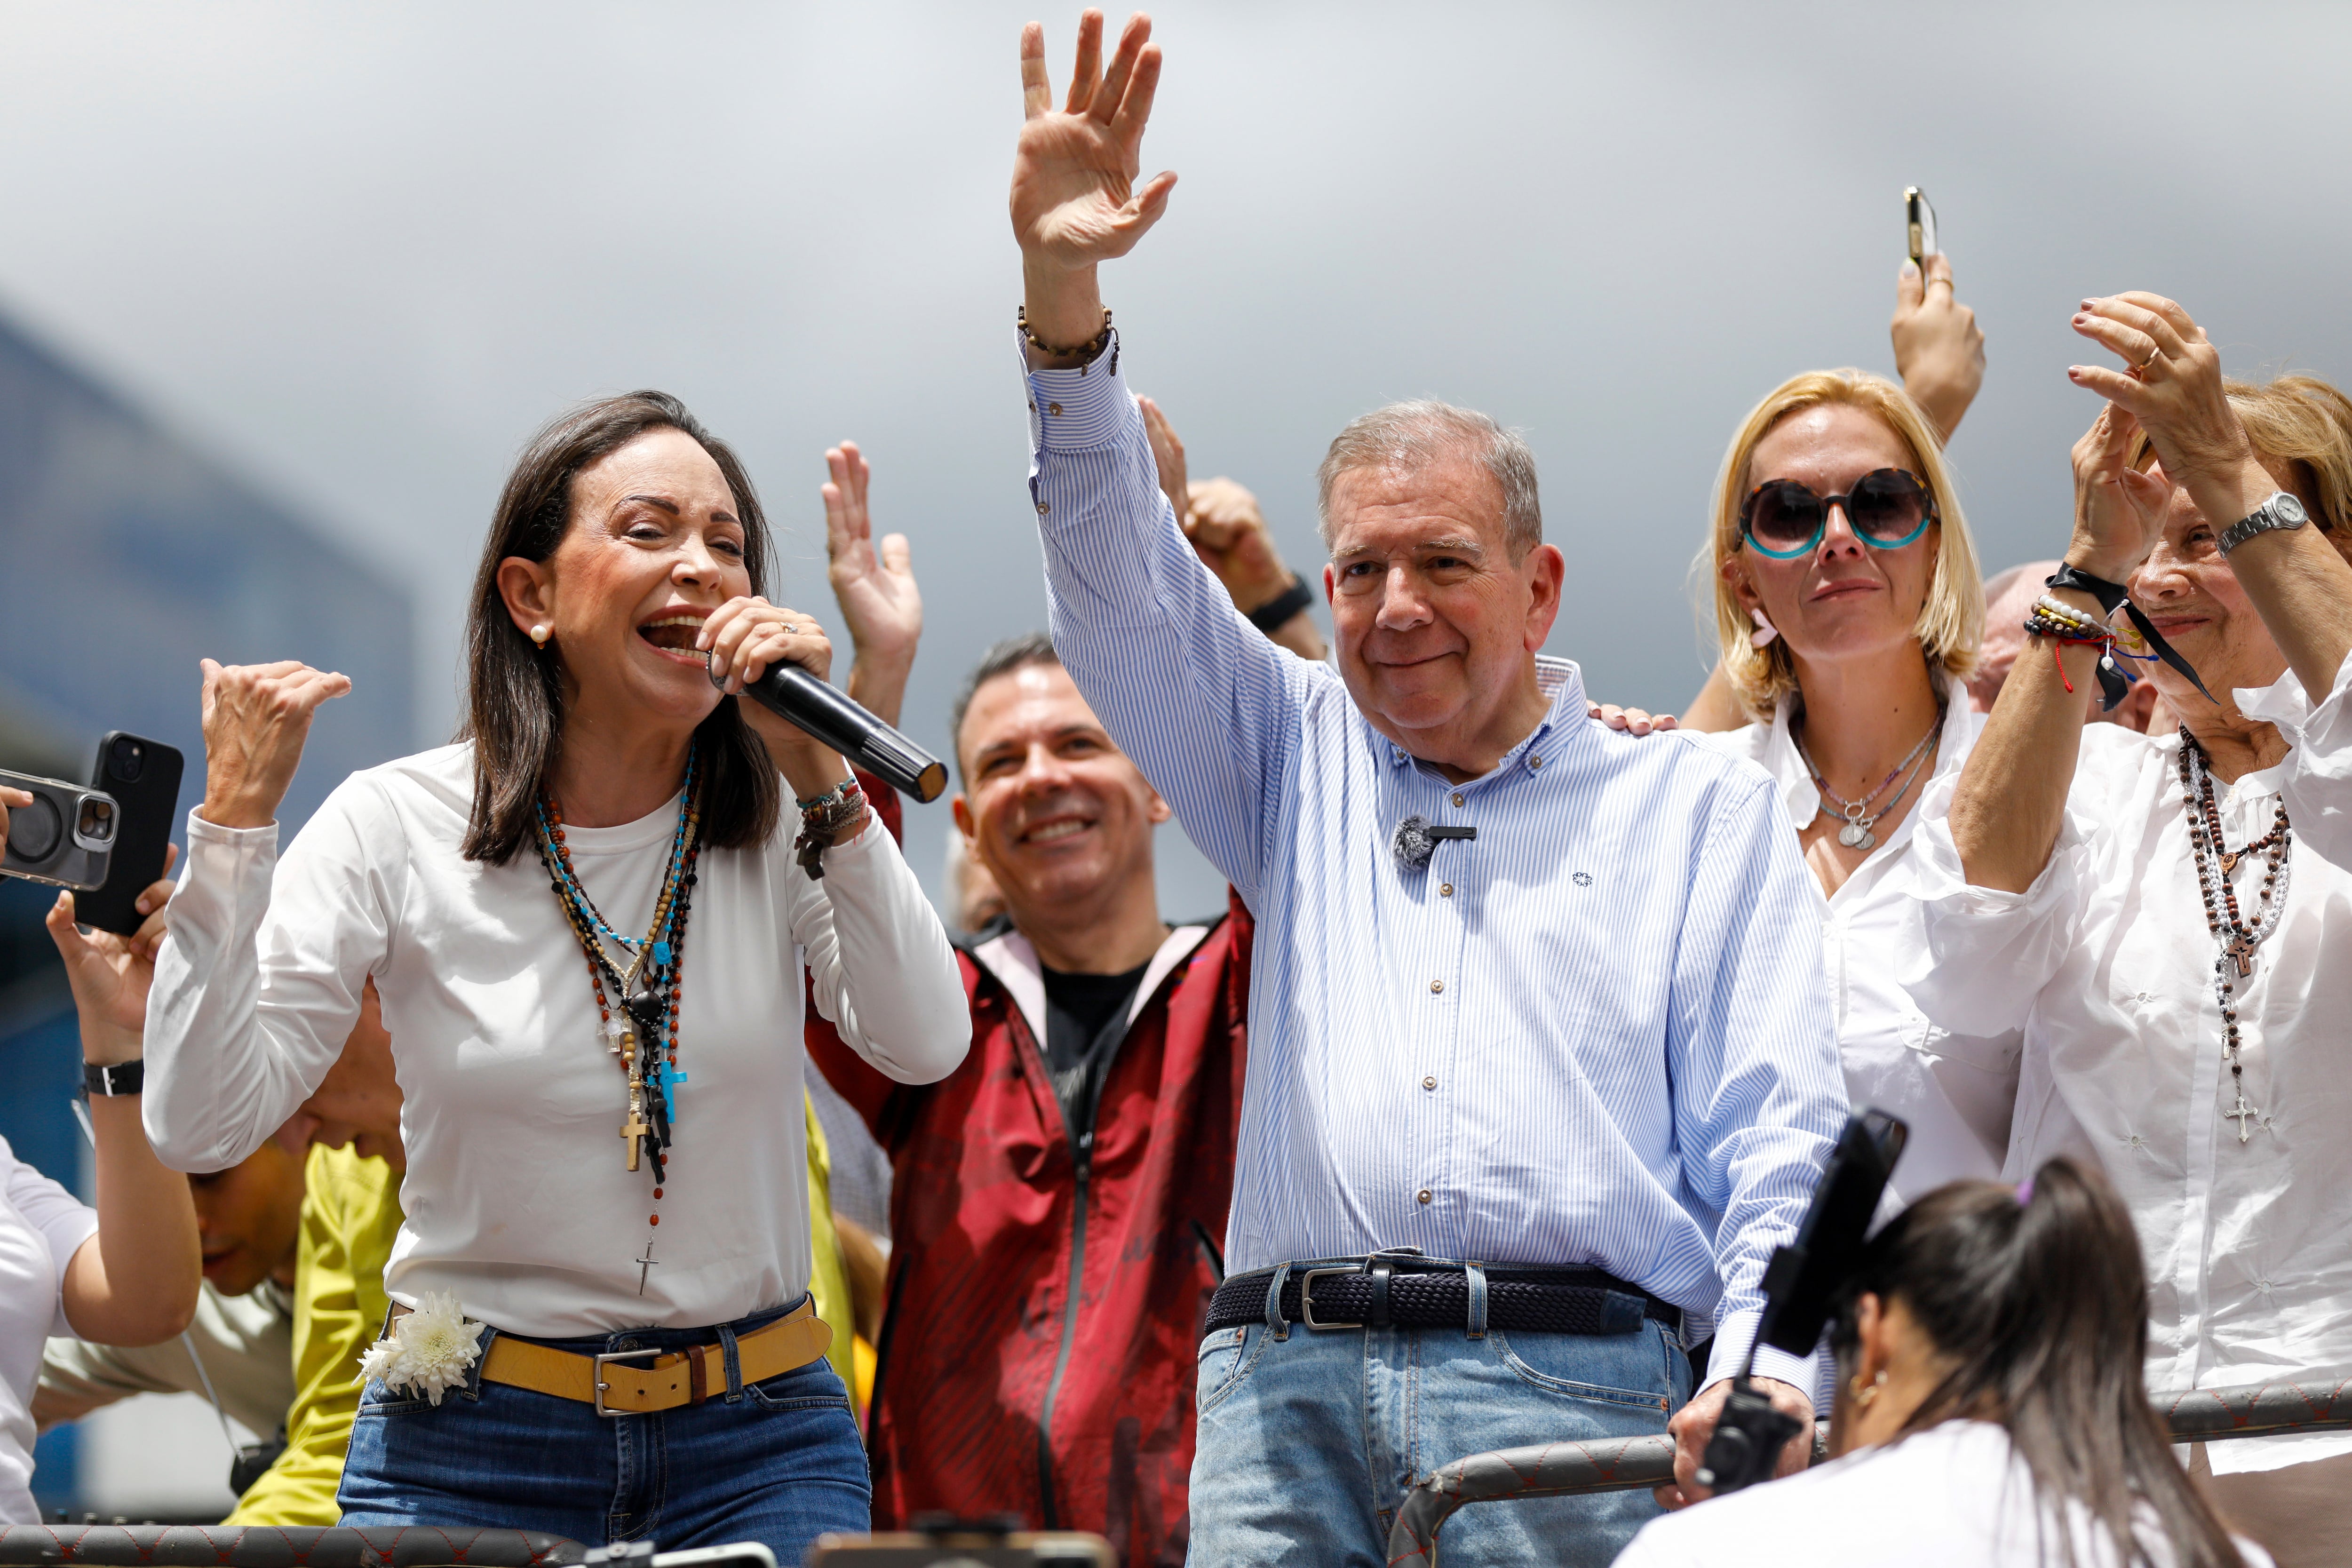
{"x":1445,"y":889}
{"x":1457,"y":797}
{"x":1535,"y":762}
{"x":1423,"y":1196}
{"x":1052,"y":408}
{"x":1437,"y":986}
{"x":1043,"y":509}
{"x":1429,"y":1083}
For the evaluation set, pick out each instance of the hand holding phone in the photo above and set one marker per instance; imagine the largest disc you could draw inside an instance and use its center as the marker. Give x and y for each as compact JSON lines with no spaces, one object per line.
{"x":1938,"y":348}
{"x":57,"y":833}
{"x":144,"y":777}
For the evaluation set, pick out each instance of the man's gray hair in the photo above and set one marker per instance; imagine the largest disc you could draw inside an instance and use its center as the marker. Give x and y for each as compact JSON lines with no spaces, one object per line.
{"x":1410,"y":435}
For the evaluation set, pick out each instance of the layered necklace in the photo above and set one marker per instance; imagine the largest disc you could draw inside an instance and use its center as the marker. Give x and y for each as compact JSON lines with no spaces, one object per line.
{"x":2234,"y":937}
{"x":646,"y":975}
{"x":1859,"y":818}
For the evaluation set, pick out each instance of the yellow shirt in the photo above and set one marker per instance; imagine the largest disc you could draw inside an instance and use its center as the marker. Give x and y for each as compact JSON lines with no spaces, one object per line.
{"x":351,"y":1213}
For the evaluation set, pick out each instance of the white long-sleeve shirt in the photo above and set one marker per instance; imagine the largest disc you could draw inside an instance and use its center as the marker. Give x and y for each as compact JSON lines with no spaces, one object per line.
{"x":2107,"y":963}
{"x":42,"y":1226}
{"x":516,"y":1194}
{"x":1956,"y":1091}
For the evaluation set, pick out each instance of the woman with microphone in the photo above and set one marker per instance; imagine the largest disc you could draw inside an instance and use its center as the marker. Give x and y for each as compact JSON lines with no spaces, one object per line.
{"x":588,"y":921}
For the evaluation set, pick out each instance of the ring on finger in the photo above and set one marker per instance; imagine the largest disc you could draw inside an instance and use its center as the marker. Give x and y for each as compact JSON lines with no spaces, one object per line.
{"x":2153,"y":351}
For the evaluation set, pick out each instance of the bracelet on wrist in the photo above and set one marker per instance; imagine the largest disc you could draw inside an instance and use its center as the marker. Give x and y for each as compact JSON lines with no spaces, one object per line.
{"x":1089,"y":350}
{"x":822,"y":818}
{"x":1271,"y":616}
{"x":107,"y":1080}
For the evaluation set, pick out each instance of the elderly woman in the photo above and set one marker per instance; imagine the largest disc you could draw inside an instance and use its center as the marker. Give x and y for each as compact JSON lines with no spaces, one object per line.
{"x":1988,"y":1408}
{"x":2167,"y":916}
{"x":1849,"y":606}
{"x":589,"y":932}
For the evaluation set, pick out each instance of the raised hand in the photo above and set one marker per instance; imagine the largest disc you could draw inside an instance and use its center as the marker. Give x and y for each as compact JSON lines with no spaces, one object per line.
{"x":1938,"y":348}
{"x":1076,"y":202}
{"x":256,"y":717}
{"x":110,"y":974}
{"x":2172,"y":385}
{"x":876,"y":591}
{"x":2118,"y":509}
{"x":1168,"y":456}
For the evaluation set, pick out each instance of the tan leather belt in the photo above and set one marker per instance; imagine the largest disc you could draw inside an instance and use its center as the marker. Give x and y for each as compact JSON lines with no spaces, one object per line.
{"x":671,"y":1378}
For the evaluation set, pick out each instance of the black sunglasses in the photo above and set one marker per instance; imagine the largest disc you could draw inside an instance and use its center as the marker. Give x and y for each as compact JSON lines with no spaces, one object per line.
{"x":1886,"y":508}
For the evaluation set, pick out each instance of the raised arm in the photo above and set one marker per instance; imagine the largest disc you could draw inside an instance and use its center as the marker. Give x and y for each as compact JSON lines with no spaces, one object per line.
{"x":1230,"y":535}
{"x":874,"y":588}
{"x":1938,"y":347}
{"x":2299,"y":584}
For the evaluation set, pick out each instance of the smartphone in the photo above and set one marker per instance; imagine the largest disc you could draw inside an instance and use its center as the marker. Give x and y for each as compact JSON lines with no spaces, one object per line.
{"x":144,"y":777}
{"x":65,"y":838}
{"x":1919,"y":218}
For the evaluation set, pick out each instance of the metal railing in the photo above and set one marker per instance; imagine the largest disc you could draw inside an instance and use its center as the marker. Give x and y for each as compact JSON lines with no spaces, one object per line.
{"x":1627,"y":1464}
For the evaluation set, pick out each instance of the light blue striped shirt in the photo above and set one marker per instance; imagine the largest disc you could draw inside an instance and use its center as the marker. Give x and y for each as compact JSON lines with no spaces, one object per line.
{"x":1596,"y":1034}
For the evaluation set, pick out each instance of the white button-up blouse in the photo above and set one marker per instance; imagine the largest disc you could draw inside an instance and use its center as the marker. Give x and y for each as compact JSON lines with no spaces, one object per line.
{"x":2109,"y":964}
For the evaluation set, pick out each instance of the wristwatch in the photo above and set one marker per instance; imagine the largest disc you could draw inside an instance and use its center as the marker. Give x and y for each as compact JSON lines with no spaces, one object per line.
{"x":2282,"y":510}
{"x":113,"y":1078}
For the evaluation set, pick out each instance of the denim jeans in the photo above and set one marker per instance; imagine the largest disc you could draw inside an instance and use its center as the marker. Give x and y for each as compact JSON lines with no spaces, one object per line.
{"x":1309,"y":1440}
{"x":776,"y":1462}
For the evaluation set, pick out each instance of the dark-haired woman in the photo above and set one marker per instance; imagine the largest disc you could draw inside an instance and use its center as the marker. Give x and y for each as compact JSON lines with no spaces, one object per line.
{"x":1991,"y":1410}
{"x":588,"y":922}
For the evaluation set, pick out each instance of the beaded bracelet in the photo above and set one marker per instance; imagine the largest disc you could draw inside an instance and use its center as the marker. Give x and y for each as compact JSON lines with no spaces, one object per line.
{"x":1091,"y":350}
{"x":822,"y":819}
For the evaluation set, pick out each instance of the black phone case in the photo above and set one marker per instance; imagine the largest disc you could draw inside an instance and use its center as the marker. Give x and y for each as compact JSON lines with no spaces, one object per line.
{"x":146,"y":808}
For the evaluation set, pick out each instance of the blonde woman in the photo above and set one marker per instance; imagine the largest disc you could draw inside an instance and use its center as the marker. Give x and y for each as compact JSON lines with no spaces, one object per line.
{"x":1849,"y":606}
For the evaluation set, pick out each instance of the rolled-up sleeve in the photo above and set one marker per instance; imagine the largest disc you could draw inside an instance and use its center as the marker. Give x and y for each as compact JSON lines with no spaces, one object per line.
{"x":258,"y":983}
{"x":2316,"y":780}
{"x":1206,"y":706}
{"x":1759,"y":1099}
{"x":880,"y":964}
{"x":1981,"y":956}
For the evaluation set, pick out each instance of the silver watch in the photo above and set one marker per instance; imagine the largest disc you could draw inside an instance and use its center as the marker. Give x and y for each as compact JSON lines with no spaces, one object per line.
{"x":2282,"y":510}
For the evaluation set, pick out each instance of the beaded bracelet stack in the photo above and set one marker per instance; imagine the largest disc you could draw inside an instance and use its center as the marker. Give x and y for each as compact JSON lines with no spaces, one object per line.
{"x":2060,"y":623}
{"x":823,"y":816}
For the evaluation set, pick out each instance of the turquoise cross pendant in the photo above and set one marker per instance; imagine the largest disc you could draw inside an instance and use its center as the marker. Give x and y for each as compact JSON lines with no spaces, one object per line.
{"x":670,"y":1078}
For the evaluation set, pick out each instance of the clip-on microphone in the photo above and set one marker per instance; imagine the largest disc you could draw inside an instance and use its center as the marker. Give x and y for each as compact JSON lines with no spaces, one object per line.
{"x":1799,"y":1284}
{"x":1415,"y":841}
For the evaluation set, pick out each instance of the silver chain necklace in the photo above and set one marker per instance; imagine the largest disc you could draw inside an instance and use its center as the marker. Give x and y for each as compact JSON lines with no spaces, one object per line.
{"x":1859,"y":818}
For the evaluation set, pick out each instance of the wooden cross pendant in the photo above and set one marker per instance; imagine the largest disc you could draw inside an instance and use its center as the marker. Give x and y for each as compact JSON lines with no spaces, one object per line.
{"x":633,"y":1130}
{"x":2241,"y":1113}
{"x":2243,"y":952}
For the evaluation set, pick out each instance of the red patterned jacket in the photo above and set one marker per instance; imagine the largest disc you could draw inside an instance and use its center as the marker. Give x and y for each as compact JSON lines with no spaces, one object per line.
{"x":1046,"y":1295}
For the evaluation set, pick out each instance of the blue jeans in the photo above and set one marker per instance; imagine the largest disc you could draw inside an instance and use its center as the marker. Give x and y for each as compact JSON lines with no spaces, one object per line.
{"x":776,"y":1462}
{"x":1308,"y":1440}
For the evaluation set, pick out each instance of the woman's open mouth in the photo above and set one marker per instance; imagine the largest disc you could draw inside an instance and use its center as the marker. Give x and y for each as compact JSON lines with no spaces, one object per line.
{"x":674,"y":635}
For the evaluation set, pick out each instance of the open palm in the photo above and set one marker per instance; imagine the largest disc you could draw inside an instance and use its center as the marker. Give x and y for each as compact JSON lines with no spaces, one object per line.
{"x":2119,"y":511}
{"x":1075,"y":197}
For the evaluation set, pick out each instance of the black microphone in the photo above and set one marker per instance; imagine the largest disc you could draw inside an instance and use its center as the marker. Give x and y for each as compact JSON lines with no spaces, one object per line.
{"x":1415,"y":840}
{"x":800,"y":699}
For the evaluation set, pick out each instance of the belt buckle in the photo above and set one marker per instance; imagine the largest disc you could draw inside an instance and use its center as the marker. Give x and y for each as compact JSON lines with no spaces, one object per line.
{"x":596,"y":1376}
{"x":1306,"y":1297}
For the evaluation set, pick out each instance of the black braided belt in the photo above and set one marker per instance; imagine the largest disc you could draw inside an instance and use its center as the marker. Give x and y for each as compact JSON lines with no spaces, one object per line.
{"x":1430,"y":1293}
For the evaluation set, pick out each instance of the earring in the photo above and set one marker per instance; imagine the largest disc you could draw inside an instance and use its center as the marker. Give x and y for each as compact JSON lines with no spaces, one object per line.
{"x":1762,"y":638}
{"x":538,"y":634}
{"x":1864,"y":1392}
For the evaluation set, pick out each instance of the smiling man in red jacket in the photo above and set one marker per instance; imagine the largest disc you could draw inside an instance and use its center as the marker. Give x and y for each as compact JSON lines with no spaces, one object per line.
{"x":1059,"y":1208}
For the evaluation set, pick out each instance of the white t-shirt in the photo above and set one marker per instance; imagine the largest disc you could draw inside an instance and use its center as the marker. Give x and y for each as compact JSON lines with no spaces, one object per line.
{"x":42,"y":1226}
{"x":516,"y":1194}
{"x":1955,"y":1496}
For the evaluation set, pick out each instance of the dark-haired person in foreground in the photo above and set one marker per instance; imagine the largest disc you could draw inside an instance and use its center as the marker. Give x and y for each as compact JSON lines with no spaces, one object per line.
{"x":2168,"y":916}
{"x":1525,"y":1110}
{"x":589,"y":922}
{"x":1989,"y":1410}
{"x":1058,"y":1202}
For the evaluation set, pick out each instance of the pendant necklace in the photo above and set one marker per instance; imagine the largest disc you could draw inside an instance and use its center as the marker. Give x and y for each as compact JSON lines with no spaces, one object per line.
{"x":2234,"y":937}
{"x":647,"y":991}
{"x":1859,"y":818}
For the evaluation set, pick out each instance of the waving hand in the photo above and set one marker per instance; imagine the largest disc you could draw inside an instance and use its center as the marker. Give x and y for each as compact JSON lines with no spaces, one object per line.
{"x":1076,"y":202}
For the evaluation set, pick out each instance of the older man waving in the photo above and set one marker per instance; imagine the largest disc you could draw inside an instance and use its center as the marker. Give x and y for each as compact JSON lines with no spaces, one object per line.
{"x":1540,"y":1066}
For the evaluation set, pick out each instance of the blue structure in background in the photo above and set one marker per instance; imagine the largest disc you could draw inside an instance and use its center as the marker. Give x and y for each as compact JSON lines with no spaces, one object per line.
{"x":126,"y":556}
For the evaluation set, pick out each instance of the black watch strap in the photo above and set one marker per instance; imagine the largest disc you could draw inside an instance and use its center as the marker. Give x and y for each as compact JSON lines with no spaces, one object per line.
{"x":114,"y":1077}
{"x":1270,"y":615}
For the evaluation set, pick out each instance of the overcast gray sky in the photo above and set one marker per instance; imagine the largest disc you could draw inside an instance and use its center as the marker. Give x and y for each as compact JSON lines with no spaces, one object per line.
{"x":362,"y":252}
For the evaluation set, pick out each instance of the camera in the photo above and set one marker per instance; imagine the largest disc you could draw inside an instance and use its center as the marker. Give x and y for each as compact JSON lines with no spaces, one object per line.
{"x":66,"y":838}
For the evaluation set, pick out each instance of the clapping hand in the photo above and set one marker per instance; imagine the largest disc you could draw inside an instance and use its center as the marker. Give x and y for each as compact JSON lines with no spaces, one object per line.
{"x":256,"y":717}
{"x":2172,"y":386}
{"x":1227,"y":530}
{"x":1938,"y":347}
{"x":875,"y":590}
{"x":2119,"y":511}
{"x":1076,"y":202}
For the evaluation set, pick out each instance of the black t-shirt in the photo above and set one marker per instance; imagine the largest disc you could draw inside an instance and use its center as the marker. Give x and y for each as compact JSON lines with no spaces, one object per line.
{"x":1086,"y":1019}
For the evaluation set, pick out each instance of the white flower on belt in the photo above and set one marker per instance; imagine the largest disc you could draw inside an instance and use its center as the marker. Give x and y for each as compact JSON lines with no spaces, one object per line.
{"x":429,"y":1350}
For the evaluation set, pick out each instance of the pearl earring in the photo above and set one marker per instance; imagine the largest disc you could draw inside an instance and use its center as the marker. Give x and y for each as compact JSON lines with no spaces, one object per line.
{"x":1864,"y":1392}
{"x":538,"y":633}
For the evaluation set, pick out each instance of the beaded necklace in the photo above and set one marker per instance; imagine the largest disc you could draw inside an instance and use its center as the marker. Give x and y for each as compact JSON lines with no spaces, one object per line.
{"x":1859,"y":818}
{"x":650,"y":990}
{"x":2235,"y":937}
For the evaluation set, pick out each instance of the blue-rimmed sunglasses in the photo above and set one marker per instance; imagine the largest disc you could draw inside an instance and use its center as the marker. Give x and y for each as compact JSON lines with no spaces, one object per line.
{"x":1886,"y":508}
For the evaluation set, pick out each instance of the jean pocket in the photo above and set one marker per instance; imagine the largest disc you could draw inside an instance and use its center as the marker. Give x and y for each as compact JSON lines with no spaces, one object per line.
{"x":816,"y":1386}
{"x":1626,"y":1371}
{"x":1224,"y":1362}
{"x":376,"y":1399}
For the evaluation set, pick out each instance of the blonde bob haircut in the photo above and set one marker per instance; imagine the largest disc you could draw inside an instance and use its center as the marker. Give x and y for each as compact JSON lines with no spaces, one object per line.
{"x":1951,"y":622}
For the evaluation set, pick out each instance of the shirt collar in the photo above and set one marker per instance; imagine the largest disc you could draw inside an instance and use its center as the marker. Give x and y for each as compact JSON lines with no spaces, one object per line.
{"x":1558,"y":679}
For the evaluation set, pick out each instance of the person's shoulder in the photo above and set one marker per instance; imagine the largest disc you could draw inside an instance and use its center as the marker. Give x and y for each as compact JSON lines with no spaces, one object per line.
{"x":438,"y":783}
{"x":1834,"y":1512}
